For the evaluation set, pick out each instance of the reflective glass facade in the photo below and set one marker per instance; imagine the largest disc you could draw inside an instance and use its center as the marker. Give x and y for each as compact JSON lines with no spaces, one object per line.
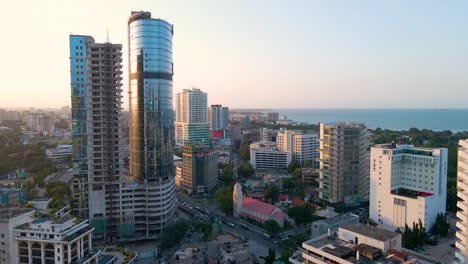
{"x":150,"y":83}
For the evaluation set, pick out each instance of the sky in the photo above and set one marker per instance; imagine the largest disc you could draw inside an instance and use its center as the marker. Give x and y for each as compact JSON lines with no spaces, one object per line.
{"x":256,"y":54}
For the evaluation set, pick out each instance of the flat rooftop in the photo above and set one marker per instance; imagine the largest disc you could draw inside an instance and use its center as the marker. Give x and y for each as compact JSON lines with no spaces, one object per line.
{"x":374,"y":232}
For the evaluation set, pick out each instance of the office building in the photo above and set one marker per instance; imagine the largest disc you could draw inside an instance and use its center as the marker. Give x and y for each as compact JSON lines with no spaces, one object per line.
{"x":407,"y":185}
{"x":264,"y":155}
{"x":344,"y":163}
{"x":96,"y":85}
{"x":461,"y":244}
{"x":304,"y":147}
{"x":59,"y":154}
{"x":267,"y":134}
{"x":151,"y":125}
{"x":218,"y":117}
{"x":199,"y":169}
{"x":192,"y":124}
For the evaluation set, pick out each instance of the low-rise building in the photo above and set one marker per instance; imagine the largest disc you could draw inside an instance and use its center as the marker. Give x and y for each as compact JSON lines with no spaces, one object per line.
{"x":9,"y":196}
{"x":254,"y":209}
{"x":357,"y":243}
{"x":331,"y":225}
{"x":265,"y":156}
{"x":60,"y":154}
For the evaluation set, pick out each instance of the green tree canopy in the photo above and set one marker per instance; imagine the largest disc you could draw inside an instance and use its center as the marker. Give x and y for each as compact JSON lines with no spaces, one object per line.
{"x":302,"y":214}
{"x":271,"y":226}
{"x":224,"y":198}
{"x":245,"y":169}
{"x":271,"y":194}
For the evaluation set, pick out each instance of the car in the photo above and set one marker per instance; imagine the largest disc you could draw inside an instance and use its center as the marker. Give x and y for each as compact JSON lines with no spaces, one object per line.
{"x":275,"y":241}
{"x":267,"y":235}
{"x":230,"y":224}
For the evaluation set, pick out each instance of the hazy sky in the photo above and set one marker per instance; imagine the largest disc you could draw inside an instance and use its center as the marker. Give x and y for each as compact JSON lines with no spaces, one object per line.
{"x":257,"y":54}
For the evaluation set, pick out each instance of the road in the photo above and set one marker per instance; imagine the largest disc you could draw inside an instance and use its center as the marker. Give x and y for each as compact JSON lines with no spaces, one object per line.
{"x":258,"y":243}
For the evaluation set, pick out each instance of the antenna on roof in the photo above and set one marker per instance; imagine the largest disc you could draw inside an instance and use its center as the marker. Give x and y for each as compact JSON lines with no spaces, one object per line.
{"x":107,"y":34}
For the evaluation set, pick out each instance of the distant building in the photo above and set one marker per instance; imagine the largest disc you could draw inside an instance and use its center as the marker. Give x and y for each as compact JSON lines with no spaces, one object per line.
{"x":272,"y":116}
{"x":199,"y":169}
{"x":268,"y":134}
{"x":191,"y":124}
{"x":461,"y":253}
{"x":344,"y":163}
{"x":10,"y":196}
{"x":265,"y":156}
{"x":310,"y":176}
{"x":255,"y":209}
{"x":407,"y":184}
{"x":303,"y":147}
{"x":331,"y":225}
{"x":60,"y":154}
{"x":218,"y":117}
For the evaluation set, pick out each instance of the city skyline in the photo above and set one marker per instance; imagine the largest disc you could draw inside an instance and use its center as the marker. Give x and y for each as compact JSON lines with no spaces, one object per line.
{"x":334,"y":55}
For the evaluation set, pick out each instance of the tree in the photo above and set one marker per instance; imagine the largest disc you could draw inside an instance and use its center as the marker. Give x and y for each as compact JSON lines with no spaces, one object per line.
{"x":205,"y":228}
{"x":302,"y":214}
{"x":271,"y":194}
{"x":227,"y":175}
{"x":244,"y":152}
{"x":285,"y":255}
{"x":271,"y":226}
{"x":440,"y":226}
{"x":289,"y":184}
{"x":224,"y":198}
{"x":271,"y":256}
{"x":173,"y":234}
{"x":245,"y":169}
{"x":297,"y":173}
{"x":59,"y":193}
{"x":415,"y":237}
{"x":293,"y":166}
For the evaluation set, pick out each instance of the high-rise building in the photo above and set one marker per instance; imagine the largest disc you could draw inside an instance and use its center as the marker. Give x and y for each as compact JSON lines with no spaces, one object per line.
{"x":192,"y":117}
{"x":304,"y":147}
{"x":96,"y":86}
{"x":407,"y":185}
{"x":461,"y":253}
{"x":199,"y":169}
{"x":218,"y":117}
{"x":344,"y":163}
{"x":151,"y":123}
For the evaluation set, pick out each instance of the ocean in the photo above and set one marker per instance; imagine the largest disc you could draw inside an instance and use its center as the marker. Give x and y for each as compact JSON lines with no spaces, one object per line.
{"x":455,"y":120}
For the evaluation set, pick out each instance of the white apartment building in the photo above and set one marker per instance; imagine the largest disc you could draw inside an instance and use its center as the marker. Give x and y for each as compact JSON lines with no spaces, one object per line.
{"x":461,"y":253}
{"x":265,"y":155}
{"x":60,"y":153}
{"x":9,"y":219}
{"x":407,"y":184}
{"x":191,"y":123}
{"x":218,"y":117}
{"x":303,"y":147}
{"x":65,"y":240}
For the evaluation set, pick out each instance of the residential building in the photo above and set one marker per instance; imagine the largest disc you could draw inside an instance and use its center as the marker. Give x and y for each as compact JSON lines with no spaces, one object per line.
{"x":192,"y":124}
{"x":357,"y":243}
{"x":265,"y":156}
{"x":304,"y":147}
{"x":199,"y":169}
{"x":218,"y":117}
{"x":151,"y":125}
{"x":267,"y":134}
{"x":60,"y":241}
{"x":407,"y":185}
{"x":254,"y":209}
{"x":9,"y":219}
{"x":96,"y":86}
{"x":344,"y":163}
{"x":310,"y":176}
{"x":461,"y":244}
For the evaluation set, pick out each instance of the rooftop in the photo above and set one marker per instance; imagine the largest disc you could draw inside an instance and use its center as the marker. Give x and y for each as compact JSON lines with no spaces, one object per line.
{"x":371,"y":231}
{"x":257,"y":206}
{"x":12,"y":213}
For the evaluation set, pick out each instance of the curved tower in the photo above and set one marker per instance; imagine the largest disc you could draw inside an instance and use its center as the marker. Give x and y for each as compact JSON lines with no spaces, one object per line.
{"x":151,"y":123}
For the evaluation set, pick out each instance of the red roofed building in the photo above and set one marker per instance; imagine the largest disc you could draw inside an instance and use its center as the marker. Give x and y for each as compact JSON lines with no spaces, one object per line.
{"x":255,"y":209}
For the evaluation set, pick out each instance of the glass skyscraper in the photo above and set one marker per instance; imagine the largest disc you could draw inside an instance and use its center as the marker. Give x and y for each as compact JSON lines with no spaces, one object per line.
{"x":150,"y":85}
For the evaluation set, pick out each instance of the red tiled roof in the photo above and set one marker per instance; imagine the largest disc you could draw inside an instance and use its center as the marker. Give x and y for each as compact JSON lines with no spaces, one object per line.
{"x":278,"y":214}
{"x":257,"y":206}
{"x":283,"y":197}
{"x":297,"y":201}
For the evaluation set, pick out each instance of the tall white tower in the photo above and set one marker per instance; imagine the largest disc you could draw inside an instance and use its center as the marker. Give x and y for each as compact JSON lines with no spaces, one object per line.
{"x":237,"y":199}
